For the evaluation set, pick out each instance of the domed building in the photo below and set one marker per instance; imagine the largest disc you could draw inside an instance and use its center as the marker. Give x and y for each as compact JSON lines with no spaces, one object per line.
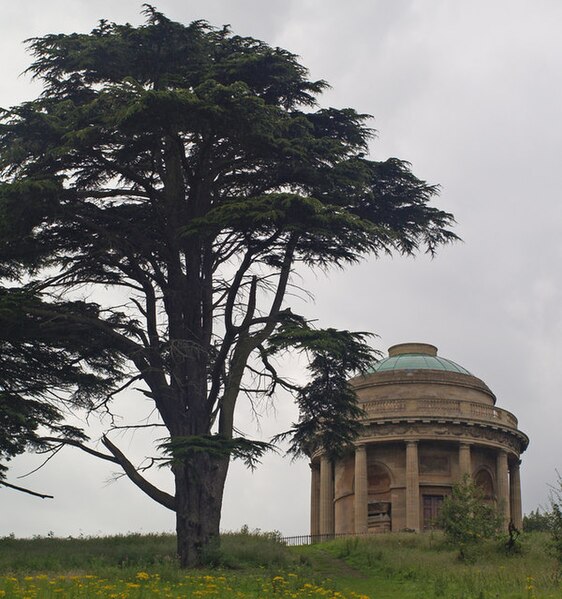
{"x":428,"y":422}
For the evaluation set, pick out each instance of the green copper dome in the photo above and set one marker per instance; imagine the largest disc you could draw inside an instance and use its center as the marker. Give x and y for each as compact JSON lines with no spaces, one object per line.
{"x":416,"y":356}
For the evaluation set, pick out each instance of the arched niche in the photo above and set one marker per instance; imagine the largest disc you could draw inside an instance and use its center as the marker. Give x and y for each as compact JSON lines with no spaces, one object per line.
{"x":379,"y":478}
{"x":484,"y":480}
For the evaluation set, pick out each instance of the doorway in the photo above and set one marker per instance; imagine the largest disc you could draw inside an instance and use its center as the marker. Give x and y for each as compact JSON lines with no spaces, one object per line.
{"x":432,"y":505}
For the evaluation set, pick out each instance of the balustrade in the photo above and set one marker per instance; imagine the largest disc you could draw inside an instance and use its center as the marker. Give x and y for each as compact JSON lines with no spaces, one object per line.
{"x":432,"y":407}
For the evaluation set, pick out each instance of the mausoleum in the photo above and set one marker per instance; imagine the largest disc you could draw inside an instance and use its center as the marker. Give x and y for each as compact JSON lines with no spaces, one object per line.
{"x":428,"y":422}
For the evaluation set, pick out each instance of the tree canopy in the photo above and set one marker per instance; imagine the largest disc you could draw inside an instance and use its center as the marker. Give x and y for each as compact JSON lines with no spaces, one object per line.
{"x":155,"y":203}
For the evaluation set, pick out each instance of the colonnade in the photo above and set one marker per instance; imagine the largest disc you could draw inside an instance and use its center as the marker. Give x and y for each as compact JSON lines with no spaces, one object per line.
{"x":508,"y":489}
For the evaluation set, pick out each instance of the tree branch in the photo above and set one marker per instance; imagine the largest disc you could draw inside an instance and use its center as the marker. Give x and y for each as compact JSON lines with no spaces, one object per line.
{"x":118,"y":457}
{"x":161,"y":497}
{"x":111,"y":193}
{"x":74,"y":443}
{"x":24,"y":490}
{"x":248,"y":343}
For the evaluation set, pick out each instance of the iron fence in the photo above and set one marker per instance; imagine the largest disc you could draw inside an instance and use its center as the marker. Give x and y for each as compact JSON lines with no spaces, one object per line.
{"x":312,"y":539}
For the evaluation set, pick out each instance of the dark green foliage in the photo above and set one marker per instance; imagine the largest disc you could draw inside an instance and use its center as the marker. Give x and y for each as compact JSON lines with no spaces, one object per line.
{"x":39,"y":359}
{"x":330,"y":417}
{"x":183,"y":449}
{"x":467,"y":519}
{"x":556,"y":521}
{"x":556,"y":532}
{"x":537,"y":521}
{"x":180,"y":175}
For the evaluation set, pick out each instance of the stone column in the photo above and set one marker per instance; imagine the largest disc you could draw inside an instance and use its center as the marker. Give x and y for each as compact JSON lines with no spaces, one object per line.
{"x":515,"y":495}
{"x":361,"y":490}
{"x":326,"y":497}
{"x":465,"y":464}
{"x":314,"y":499}
{"x":412,"y":486}
{"x":503,"y":487}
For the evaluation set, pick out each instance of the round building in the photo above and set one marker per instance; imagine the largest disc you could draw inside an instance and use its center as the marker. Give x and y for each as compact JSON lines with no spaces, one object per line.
{"x":428,"y":421}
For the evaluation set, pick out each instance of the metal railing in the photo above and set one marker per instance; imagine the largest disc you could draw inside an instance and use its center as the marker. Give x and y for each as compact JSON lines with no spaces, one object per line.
{"x":313,"y":539}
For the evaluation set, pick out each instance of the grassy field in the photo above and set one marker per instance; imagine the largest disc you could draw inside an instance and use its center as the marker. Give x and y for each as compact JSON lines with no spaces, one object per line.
{"x":402,"y":566}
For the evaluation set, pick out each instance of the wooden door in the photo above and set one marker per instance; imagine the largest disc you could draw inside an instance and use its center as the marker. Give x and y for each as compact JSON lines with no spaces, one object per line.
{"x":431,"y":509}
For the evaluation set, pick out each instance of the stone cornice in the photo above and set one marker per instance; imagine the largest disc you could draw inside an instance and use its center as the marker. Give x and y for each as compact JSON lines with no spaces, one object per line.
{"x":476,"y":433}
{"x":429,"y":377}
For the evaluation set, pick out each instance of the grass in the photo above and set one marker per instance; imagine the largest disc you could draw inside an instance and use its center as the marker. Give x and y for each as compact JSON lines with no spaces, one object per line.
{"x":422,"y":566}
{"x":133,"y":552}
{"x":393,"y":566}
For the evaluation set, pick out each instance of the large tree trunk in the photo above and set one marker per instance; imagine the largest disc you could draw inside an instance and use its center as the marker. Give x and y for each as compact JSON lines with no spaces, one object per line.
{"x":199,"y":491}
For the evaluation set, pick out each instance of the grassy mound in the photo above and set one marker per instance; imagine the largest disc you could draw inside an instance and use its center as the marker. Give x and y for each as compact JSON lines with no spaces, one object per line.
{"x":255,"y":565}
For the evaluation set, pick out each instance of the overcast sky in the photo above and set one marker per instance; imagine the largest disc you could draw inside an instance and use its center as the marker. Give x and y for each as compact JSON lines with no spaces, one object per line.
{"x":470,"y":93}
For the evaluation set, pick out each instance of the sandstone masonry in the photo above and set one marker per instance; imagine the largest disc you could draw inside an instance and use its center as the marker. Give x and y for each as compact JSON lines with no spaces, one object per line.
{"x":428,"y":422}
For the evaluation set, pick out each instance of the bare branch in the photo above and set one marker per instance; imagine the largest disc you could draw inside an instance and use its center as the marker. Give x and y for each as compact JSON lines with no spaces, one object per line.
{"x":74,"y":443}
{"x":135,"y":426}
{"x":161,"y":497}
{"x":54,"y":451}
{"x":248,"y":343}
{"x":122,"y":387}
{"x":24,"y":490}
{"x":112,"y":193}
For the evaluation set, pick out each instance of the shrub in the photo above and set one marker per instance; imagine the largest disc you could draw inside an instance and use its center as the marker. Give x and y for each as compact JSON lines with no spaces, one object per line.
{"x":556,"y":531}
{"x":556,"y":520}
{"x":467,"y":519}
{"x":537,"y":521}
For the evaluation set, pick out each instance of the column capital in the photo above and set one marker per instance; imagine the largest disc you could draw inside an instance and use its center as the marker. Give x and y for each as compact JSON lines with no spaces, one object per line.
{"x":412,"y":442}
{"x":361,"y":447}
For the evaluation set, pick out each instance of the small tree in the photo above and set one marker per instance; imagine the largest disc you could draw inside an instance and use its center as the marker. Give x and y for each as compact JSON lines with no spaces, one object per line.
{"x":467,"y":519}
{"x":537,"y":521}
{"x":556,"y":520}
